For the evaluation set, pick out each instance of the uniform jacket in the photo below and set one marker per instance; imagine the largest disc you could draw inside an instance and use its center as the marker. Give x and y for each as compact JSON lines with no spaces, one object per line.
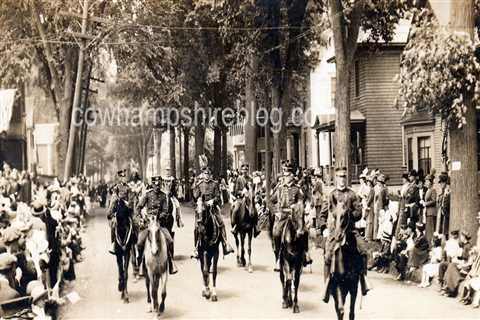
{"x":155,"y":201}
{"x":242,"y":182}
{"x":207,"y":189}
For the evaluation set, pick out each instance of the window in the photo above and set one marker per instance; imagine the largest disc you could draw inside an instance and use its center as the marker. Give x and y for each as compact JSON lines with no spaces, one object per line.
{"x":410,"y":153}
{"x":333,"y":88}
{"x":357,"y":79}
{"x":424,"y":155}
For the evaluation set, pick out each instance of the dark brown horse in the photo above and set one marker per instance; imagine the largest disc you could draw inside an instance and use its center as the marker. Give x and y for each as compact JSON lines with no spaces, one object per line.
{"x":291,"y":256}
{"x":208,"y":247}
{"x":124,"y":239}
{"x":245,"y":216}
{"x":343,"y":271}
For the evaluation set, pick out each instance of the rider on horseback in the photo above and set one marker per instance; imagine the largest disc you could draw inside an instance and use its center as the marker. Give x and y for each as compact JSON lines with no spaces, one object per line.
{"x":121,"y":191}
{"x":207,"y":189}
{"x":338,"y":232}
{"x":289,"y":198}
{"x":156,"y":201}
{"x":241,"y":191}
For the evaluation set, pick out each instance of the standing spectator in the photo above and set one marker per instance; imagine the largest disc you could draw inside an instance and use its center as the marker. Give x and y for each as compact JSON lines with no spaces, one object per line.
{"x":402,"y":215}
{"x":381,"y":205}
{"x":430,"y":207}
{"x":412,"y":199}
{"x":443,"y":205}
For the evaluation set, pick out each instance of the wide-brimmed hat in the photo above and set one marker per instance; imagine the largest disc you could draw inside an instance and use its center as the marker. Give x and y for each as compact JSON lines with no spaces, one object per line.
{"x":466,"y":234}
{"x":7,"y":261}
{"x":38,"y":208}
{"x":429,"y":177}
{"x":413,"y":173}
{"x":420,"y":226}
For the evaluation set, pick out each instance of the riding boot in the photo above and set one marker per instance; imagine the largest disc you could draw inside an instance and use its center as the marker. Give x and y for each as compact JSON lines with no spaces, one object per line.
{"x":364,"y":285}
{"x":112,"y":248}
{"x":227,"y":248}
{"x":326,"y":293}
{"x":256,"y":231}
{"x":172,"y":266}
{"x":139,"y":257}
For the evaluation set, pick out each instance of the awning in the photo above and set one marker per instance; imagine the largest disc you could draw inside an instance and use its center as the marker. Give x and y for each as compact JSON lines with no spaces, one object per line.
{"x":7,"y":98}
{"x":326,"y":122}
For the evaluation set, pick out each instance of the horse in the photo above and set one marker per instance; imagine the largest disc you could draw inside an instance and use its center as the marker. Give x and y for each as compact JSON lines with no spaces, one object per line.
{"x":209,"y":239}
{"x":124,"y":240}
{"x":343,"y":275}
{"x":156,"y":264}
{"x":291,"y":256}
{"x":245,"y":227}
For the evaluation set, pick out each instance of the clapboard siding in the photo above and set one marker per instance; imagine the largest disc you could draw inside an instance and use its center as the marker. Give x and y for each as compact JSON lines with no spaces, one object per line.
{"x":383,"y":141}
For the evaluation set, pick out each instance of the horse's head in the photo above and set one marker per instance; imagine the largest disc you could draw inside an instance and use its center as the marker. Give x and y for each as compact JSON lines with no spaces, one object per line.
{"x":153,"y":234}
{"x":342,"y":216}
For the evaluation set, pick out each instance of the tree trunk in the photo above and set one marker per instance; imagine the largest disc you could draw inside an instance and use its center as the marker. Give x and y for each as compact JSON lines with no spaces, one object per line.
{"x":186,"y":161}
{"x":463,"y":142}
{"x":173,"y":157}
{"x":199,"y":144}
{"x":276,"y":126}
{"x":217,"y":151}
{"x":224,"y":159}
{"x":342,"y":117}
{"x":250,"y":125}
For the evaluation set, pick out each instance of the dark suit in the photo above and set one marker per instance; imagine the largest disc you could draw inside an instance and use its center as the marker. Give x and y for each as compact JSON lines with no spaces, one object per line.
{"x":430,"y":212}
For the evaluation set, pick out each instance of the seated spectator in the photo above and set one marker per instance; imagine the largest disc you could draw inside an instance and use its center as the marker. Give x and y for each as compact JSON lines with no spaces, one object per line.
{"x":452,"y":251}
{"x":419,"y":254}
{"x":401,"y":251}
{"x":471,"y":288}
{"x":458,"y":268}
{"x":430,"y":270}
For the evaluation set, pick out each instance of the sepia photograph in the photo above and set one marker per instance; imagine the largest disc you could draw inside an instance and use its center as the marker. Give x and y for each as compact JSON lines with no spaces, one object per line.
{"x":239,"y":159}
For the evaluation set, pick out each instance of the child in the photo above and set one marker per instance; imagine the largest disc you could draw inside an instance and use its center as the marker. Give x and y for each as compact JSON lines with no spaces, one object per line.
{"x":430,"y":270}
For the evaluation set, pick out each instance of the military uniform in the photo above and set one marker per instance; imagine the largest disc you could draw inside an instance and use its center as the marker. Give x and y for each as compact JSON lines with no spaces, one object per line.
{"x":156,"y":203}
{"x":208,"y":189}
{"x":120,"y":192}
{"x":343,"y":230}
{"x":288,"y":197}
{"x":243,"y":182}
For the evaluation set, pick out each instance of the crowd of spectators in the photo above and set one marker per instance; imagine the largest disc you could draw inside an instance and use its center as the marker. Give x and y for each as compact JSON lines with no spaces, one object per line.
{"x":41,"y":223}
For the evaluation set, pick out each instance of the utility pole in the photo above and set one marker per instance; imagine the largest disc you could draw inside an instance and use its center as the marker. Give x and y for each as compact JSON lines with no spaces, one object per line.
{"x":77,"y":94}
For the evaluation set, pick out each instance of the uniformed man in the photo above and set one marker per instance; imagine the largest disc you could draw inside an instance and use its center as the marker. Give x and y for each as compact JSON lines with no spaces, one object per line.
{"x":119,"y":191}
{"x":288,"y":197}
{"x":412,"y":200}
{"x":242,"y":193}
{"x":155,"y":200}
{"x":337,"y":233}
{"x":208,"y":190}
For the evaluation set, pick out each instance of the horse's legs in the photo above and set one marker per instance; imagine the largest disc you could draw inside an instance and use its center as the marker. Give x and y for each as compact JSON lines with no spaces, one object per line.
{"x":338,"y":303}
{"x":205,"y":273}
{"x":250,"y":236}
{"x":147,"y":284}
{"x":126,"y":260}
{"x":284,"y":288}
{"x":163,"y":281}
{"x":353,"y":298}
{"x":242,"y":255}
{"x":120,"y":273}
{"x":237,"y":244}
{"x":214,"y":276}
{"x":154,"y":287}
{"x":296,"y":284}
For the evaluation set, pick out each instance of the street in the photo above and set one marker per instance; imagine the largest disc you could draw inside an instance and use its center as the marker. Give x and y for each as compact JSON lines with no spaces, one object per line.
{"x":240,"y":294}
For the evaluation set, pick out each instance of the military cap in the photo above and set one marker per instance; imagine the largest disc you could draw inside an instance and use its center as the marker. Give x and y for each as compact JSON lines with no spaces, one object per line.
{"x":156,"y":179}
{"x":341,"y":171}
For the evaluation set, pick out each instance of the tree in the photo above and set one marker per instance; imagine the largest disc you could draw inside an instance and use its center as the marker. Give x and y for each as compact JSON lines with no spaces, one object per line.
{"x":441,"y":73}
